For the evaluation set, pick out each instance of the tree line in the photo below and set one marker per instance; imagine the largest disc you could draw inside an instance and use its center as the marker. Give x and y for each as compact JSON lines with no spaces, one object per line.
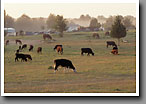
{"x":59,"y":23}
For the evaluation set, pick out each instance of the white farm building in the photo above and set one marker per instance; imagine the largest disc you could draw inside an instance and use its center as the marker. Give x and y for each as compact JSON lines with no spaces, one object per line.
{"x":10,"y":31}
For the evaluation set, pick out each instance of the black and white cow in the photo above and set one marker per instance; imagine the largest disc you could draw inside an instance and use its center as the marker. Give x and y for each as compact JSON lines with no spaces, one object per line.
{"x":87,"y":50}
{"x":63,"y":63}
{"x":23,"y":57}
{"x":110,"y":43}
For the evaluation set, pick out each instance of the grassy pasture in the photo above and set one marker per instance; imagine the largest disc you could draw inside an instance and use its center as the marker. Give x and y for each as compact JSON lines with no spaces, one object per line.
{"x":102,"y":73}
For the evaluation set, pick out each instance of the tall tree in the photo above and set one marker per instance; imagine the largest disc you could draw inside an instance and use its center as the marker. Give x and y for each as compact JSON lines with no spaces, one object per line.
{"x":94,"y":24}
{"x":108,"y":24}
{"x":4,"y":18}
{"x":101,"y":19}
{"x":60,"y":24}
{"x":127,"y":22}
{"x":51,"y":21}
{"x":38,"y":24}
{"x":24,"y":23}
{"x":9,"y":21}
{"x":118,"y":29}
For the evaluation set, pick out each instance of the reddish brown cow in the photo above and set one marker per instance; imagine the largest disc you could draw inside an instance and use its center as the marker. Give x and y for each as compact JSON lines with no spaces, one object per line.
{"x":7,"y":42}
{"x":31,"y":48}
{"x":96,"y":35}
{"x":115,"y":50}
{"x":18,"y":41}
{"x":60,"y":49}
{"x":47,"y":36}
{"x":39,"y":50}
{"x":107,"y":33}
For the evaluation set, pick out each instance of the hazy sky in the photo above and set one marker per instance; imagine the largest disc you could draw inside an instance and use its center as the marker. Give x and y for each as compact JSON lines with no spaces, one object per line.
{"x":70,"y":10}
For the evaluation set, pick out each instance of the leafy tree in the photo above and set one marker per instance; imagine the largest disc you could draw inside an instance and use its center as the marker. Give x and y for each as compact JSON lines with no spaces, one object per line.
{"x":9,"y":21}
{"x":82,"y":17}
{"x":60,"y":24}
{"x":101,"y":19}
{"x":118,"y":29}
{"x":38,"y":24}
{"x":43,"y":27}
{"x":4,"y":18}
{"x":24,"y":23}
{"x":94,"y":24}
{"x":51,"y":21}
{"x":108,"y":24}
{"x":85,"y":17}
{"x":127,"y":22}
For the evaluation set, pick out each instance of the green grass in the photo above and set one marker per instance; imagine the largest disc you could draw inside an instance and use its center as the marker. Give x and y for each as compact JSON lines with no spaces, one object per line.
{"x":102,"y":73}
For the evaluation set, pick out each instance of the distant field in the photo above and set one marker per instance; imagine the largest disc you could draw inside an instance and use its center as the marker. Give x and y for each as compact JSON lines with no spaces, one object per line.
{"x":102,"y":73}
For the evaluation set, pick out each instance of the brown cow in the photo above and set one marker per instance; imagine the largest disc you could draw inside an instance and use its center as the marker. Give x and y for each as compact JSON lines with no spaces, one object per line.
{"x":31,"y":48}
{"x":96,"y":35}
{"x":7,"y":42}
{"x":39,"y":50}
{"x":47,"y":36}
{"x":115,"y":50}
{"x":60,"y":49}
{"x":18,"y":41}
{"x":107,"y":33}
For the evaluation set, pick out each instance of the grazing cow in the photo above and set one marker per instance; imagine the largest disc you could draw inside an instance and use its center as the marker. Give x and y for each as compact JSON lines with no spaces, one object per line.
{"x":64,"y":63}
{"x":87,"y":50}
{"x":7,"y":42}
{"x":20,"y":47}
{"x":57,"y":46}
{"x":60,"y":49}
{"x":47,"y":36}
{"x":17,"y":51}
{"x":96,"y":35}
{"x":111,"y":43}
{"x":24,"y":46}
{"x":107,"y":33}
{"x":115,"y":50}
{"x":28,"y":56}
{"x":31,"y":48}
{"x":21,"y":56}
{"x":39,"y":50}
{"x":18,"y":41}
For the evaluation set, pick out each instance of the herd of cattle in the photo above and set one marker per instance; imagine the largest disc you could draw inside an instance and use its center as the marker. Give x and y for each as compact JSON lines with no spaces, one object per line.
{"x":59,"y":48}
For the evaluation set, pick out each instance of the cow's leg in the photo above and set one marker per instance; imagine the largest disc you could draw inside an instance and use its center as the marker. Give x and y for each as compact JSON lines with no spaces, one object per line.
{"x":82,"y":53}
{"x":25,"y":59}
{"x":65,"y":70}
{"x":61,"y":52}
{"x":88,"y":54}
{"x":55,"y":67}
{"x":107,"y":46}
{"x":75,"y":70}
{"x":16,"y":59}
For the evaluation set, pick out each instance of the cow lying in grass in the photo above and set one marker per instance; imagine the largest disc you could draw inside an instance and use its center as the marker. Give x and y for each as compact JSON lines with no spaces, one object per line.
{"x":87,"y":50}
{"x":23,"y":57}
{"x":63,"y":63}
